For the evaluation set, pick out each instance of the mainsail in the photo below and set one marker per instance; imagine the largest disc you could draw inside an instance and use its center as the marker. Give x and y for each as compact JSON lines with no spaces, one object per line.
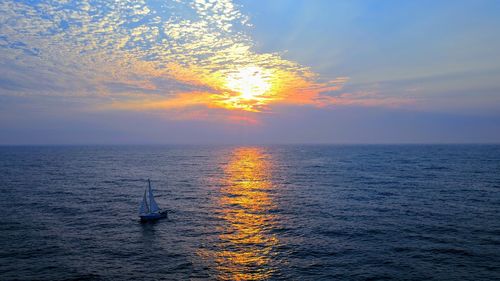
{"x":152,"y":203}
{"x":150,"y":207}
{"x":144,"y":209}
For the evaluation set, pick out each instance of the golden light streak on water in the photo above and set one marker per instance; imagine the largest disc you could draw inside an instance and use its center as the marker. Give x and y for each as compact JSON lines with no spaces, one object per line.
{"x":245,"y":243}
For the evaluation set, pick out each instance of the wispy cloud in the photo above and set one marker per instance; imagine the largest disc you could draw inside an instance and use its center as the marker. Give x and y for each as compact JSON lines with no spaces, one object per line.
{"x":368,"y":99}
{"x":148,"y":55}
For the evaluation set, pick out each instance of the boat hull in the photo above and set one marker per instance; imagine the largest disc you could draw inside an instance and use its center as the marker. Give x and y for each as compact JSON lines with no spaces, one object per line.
{"x":154,"y":216}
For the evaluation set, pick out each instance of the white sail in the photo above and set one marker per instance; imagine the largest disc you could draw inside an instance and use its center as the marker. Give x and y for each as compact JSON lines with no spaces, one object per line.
{"x":144,"y":209}
{"x":152,"y":203}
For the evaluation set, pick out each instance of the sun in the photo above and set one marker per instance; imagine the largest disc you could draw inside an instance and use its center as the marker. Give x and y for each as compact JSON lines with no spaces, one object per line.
{"x":250,"y":82}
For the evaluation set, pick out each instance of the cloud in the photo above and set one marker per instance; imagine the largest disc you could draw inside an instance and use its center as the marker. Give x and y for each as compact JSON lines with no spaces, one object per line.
{"x":148,"y":56}
{"x":367,"y":99}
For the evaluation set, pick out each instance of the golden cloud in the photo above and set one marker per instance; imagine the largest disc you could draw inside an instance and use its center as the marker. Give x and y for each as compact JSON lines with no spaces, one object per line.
{"x":202,"y":45}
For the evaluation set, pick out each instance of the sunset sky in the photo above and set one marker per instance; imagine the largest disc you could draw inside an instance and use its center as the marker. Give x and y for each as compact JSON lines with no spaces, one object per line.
{"x":207,"y":71}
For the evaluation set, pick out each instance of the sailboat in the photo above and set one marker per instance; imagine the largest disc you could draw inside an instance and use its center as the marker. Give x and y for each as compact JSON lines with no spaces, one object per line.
{"x":149,"y":210}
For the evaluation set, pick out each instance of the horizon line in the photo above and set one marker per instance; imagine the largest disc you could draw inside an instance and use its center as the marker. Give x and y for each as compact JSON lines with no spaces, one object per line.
{"x":250,"y":144}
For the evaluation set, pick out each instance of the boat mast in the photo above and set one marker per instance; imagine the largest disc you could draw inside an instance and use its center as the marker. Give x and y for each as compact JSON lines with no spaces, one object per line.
{"x":144,"y":205}
{"x":153,"y":206}
{"x":149,"y":192}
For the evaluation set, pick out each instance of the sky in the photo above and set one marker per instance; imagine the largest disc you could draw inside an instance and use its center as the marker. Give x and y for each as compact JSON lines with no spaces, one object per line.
{"x":249,"y":72}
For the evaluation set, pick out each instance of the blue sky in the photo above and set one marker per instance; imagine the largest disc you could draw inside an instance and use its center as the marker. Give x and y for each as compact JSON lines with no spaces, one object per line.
{"x":249,"y":72}
{"x":444,"y":47}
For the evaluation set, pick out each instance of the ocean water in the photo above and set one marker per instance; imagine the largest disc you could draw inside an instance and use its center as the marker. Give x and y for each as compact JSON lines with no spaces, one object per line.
{"x":400,"y":212}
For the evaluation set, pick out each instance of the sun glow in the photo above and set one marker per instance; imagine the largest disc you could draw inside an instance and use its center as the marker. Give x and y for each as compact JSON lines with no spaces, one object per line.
{"x":251,"y":86}
{"x":251,"y":82}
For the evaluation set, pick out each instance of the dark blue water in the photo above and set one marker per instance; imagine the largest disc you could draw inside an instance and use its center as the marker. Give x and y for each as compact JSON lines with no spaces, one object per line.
{"x":251,"y":213}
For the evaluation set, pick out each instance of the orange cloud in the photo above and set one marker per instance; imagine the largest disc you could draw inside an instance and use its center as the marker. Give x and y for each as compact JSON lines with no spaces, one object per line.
{"x":207,"y":58}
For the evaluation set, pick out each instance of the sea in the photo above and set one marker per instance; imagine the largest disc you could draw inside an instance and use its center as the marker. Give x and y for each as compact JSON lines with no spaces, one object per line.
{"x":277,"y":212}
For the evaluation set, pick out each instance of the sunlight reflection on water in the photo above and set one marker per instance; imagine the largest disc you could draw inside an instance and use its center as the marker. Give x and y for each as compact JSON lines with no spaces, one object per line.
{"x":245,"y":244}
